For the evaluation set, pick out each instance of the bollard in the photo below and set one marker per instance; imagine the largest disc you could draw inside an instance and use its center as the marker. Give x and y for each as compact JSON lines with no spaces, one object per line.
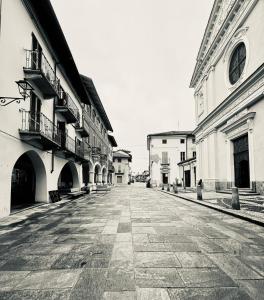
{"x":175,"y":188}
{"x":235,"y":198}
{"x":199,"y":193}
{"x":162,"y":188}
{"x":168,"y":188}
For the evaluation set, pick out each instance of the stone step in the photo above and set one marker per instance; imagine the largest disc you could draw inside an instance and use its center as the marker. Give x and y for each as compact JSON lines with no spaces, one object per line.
{"x":242,"y":192}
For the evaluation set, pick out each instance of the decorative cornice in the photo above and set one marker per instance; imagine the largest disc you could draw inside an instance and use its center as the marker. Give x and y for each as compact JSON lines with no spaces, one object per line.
{"x":227,"y":26}
{"x":235,"y":122}
{"x":245,"y":90}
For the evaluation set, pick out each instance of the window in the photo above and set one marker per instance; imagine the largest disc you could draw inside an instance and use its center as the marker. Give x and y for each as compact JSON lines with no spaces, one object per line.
{"x":237,"y":63}
{"x":182,"y":156}
{"x":164,"y":141}
{"x":194,"y":154}
{"x":182,"y":141}
{"x":119,"y":160}
{"x":193,"y":141}
{"x":164,"y":159}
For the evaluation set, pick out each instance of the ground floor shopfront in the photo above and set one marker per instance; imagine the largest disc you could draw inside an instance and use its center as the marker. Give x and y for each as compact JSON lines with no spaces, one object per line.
{"x":230,"y":146}
{"x":28,"y":175}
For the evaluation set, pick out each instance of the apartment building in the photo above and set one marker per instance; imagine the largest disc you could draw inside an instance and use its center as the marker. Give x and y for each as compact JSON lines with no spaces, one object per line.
{"x":56,"y":137}
{"x":228,"y":83}
{"x":166,"y":150}
{"x":122,"y":168}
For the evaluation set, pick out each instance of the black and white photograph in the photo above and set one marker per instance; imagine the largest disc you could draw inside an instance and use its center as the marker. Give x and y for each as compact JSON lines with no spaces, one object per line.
{"x":131,"y":150}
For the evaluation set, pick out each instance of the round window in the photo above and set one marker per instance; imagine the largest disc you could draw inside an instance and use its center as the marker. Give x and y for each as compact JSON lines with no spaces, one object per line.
{"x":237,"y":63}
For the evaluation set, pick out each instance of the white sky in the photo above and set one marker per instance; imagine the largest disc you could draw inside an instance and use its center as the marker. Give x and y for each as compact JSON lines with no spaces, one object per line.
{"x":140,"y":55}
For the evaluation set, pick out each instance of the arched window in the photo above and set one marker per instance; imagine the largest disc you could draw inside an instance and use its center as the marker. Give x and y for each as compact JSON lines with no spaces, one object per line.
{"x":237,"y":63}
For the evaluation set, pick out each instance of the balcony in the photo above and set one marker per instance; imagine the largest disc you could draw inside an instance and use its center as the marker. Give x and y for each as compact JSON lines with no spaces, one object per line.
{"x":72,"y":148}
{"x":39,"y":72}
{"x":87,"y":150}
{"x":66,"y":107}
{"x":39,"y":131}
{"x":83,"y":125}
{"x":103,"y":159}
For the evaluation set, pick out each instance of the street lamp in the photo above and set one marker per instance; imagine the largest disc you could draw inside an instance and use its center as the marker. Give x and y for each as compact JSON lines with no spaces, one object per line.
{"x":24,"y":89}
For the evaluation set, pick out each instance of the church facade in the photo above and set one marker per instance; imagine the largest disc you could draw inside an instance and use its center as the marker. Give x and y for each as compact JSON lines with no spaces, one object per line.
{"x":228,"y":83}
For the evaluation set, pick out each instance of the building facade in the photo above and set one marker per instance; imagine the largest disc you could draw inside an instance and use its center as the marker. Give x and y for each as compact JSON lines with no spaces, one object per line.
{"x":122,"y":168}
{"x":228,"y":82}
{"x":57,"y":139}
{"x":166,"y":150}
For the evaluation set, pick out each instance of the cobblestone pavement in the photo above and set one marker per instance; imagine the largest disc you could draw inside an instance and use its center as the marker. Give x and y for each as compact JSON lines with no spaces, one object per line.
{"x":132,"y":243}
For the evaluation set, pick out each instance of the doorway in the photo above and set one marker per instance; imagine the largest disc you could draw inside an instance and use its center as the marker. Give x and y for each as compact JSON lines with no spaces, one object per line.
{"x":165,"y":178}
{"x":241,"y":162}
{"x":187,"y":177}
{"x":119,"y":179}
{"x":23,"y":183}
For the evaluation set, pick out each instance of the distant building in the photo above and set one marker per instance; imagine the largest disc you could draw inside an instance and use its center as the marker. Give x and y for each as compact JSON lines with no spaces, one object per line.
{"x":166,"y":150}
{"x":228,"y":83}
{"x":142,"y":177}
{"x":122,"y":169}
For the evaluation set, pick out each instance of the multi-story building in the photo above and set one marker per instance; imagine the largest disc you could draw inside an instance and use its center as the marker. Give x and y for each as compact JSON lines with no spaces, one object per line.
{"x":228,"y":82}
{"x":122,"y":168}
{"x":166,"y":150}
{"x":48,"y":140}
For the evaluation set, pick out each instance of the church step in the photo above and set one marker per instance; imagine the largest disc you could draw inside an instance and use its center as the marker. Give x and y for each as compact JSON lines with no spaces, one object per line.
{"x":242,"y":192}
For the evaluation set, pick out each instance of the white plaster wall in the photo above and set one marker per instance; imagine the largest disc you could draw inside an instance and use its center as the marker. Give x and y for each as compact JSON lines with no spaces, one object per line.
{"x":124,"y":164}
{"x":217,"y":87}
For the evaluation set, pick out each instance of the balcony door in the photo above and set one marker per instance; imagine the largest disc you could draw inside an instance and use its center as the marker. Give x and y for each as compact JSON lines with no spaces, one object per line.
{"x":35,"y":109}
{"x":36,"y":54}
{"x":63,"y":131}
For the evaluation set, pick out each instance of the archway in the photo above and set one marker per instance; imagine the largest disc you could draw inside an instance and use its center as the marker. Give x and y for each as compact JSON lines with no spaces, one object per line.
{"x":104,"y":175}
{"x":97,"y":174}
{"x":68,"y":178}
{"x":29,"y":181}
{"x":86,"y":169}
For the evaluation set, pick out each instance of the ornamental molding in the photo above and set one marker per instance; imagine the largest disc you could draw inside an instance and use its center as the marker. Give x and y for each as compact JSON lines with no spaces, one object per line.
{"x":239,"y":12}
{"x":238,"y":122}
{"x":249,"y":92}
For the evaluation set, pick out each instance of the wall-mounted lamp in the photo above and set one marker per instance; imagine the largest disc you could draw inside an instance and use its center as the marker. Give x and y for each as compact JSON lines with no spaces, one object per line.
{"x":24,"y":89}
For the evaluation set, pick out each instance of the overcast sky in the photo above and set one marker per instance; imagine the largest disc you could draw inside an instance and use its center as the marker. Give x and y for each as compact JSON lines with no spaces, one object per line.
{"x":140,"y":55}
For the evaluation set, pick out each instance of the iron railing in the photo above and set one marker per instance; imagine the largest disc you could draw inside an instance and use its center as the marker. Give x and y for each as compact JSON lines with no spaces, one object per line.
{"x":36,"y":60}
{"x":34,"y":122}
{"x":65,"y":100}
{"x":96,"y":151}
{"x":69,"y":144}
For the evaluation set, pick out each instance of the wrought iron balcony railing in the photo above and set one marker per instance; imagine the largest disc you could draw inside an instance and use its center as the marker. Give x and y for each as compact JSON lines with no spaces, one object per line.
{"x":66,"y":106}
{"x":35,"y":125}
{"x":96,"y":151}
{"x":37,"y":63}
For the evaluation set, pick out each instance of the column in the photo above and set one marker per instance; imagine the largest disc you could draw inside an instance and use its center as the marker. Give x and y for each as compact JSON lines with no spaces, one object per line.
{"x":252,"y":174}
{"x":229,"y":161}
{"x":100,"y":178}
{"x":91,"y":177}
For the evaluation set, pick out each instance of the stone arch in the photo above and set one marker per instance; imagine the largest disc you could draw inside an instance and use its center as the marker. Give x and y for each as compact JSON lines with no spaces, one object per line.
{"x":87,"y":169}
{"x":104,"y":175}
{"x":28,"y":180}
{"x":68,"y":178}
{"x":97,"y":173}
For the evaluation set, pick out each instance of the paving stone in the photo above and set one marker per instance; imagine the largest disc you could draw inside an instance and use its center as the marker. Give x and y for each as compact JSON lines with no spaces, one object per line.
{"x":155,"y":260}
{"x":254,"y":288}
{"x":208,"y":294}
{"x":194,"y":260}
{"x":143,"y":229}
{"x":182,"y":247}
{"x":234,"y":267}
{"x":91,"y":285}
{"x":124,"y":227}
{"x":29,"y":263}
{"x":169,"y":238}
{"x":54,"y":279}
{"x":76,"y":238}
{"x":204,"y":277}
{"x":59,"y":294}
{"x":119,"y":296}
{"x":158,"y":277}
{"x":152,"y":294}
{"x":120,"y":279}
{"x":150,"y":247}
{"x":9,"y":280}
{"x":140,"y":238}
{"x":124,"y":237}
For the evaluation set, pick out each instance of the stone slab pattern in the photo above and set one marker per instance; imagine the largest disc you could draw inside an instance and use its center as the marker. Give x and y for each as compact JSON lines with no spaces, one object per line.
{"x":130,"y":243}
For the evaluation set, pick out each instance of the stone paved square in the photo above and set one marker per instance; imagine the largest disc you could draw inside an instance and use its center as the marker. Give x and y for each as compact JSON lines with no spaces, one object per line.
{"x":144,"y":245}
